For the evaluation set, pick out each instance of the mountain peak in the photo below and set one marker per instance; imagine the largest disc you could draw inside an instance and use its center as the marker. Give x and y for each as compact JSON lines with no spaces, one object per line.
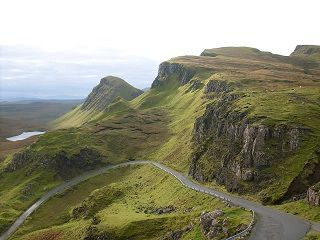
{"x":111,"y":79}
{"x":107,"y":90}
{"x":231,"y":51}
{"x":306,"y":51}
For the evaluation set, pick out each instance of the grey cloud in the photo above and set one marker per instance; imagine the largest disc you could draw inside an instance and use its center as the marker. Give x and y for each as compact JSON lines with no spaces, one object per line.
{"x":28,"y":72}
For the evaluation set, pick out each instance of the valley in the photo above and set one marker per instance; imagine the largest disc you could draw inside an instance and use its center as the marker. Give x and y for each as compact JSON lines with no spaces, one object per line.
{"x":29,"y":115}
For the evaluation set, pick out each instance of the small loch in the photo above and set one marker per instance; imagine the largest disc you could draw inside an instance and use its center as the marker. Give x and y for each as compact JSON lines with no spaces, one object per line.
{"x":24,"y":136}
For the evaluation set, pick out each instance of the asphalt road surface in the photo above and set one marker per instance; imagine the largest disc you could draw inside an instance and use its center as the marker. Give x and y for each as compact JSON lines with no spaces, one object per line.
{"x":271,"y":224}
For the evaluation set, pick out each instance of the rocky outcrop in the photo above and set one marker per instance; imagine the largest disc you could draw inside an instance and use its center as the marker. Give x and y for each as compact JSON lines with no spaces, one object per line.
{"x":195,"y":85}
{"x":212,"y":226}
{"x":218,"y":87}
{"x":28,"y":190}
{"x":231,"y":148}
{"x":19,"y":160}
{"x":63,"y":164}
{"x":92,"y":233}
{"x":168,"y":70}
{"x":177,"y":234}
{"x":313,"y":195}
{"x":160,"y":210}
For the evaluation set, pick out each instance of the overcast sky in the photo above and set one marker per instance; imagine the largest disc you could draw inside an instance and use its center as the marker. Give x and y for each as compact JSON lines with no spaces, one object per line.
{"x":61,"y":48}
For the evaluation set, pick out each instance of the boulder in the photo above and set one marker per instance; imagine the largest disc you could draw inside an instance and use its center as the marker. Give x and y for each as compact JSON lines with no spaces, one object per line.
{"x":313,"y":196}
{"x":211,"y":226}
{"x":160,"y":210}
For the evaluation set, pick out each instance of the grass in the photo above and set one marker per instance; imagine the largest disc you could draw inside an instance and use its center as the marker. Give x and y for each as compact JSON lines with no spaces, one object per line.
{"x":183,"y":108}
{"x":75,"y":118}
{"x":312,"y":235}
{"x":140,"y":188}
{"x":158,"y":124}
{"x":15,"y":199}
{"x":303,"y":209}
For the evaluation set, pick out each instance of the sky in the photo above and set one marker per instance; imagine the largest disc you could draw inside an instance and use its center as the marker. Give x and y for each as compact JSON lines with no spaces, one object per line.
{"x":62,"y":48}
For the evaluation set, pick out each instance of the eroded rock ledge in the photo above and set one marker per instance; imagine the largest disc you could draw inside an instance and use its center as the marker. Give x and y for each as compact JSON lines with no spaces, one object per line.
{"x":63,"y":164}
{"x":168,"y":69}
{"x":230,"y":148}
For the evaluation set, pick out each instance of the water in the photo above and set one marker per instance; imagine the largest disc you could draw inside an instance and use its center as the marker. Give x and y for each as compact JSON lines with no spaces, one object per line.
{"x":24,"y":135}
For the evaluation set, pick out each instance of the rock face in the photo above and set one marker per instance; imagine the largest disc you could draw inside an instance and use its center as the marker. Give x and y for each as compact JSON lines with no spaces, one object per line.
{"x":61,"y":163}
{"x":92,"y":233}
{"x":306,"y":50}
{"x":167,"y":70}
{"x":160,"y":210}
{"x":109,"y":89}
{"x":217,"y":87}
{"x":195,"y":85}
{"x":211,"y":226}
{"x":231,"y":148}
{"x":19,"y":160}
{"x":64,"y":165}
{"x":313,"y":195}
{"x":177,"y":234}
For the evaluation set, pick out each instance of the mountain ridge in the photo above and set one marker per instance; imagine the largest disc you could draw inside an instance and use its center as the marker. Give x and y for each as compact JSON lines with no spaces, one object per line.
{"x":250,"y":124}
{"x":109,"y":89}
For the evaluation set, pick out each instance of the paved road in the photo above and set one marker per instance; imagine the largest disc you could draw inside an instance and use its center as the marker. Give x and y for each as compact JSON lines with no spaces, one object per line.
{"x":271,"y":224}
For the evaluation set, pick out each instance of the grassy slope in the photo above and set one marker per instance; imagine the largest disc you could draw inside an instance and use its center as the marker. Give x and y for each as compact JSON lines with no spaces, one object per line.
{"x":141,"y":129}
{"x":110,"y":89}
{"x":13,"y":201}
{"x":134,"y":135}
{"x":312,"y":235}
{"x":123,"y":217}
{"x":158,"y":124}
{"x":74,"y":118}
{"x":301,"y":208}
{"x":183,"y":107}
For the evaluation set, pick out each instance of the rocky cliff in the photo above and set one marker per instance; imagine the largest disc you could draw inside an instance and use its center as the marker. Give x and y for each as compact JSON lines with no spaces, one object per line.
{"x":168,"y":69}
{"x":63,"y":164}
{"x":231,"y":148}
{"x":108,"y":89}
{"x":251,"y":126}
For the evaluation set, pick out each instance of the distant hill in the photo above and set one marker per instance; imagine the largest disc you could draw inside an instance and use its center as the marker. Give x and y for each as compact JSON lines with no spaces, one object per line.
{"x":312,"y":51}
{"x":28,"y":115}
{"x":109,"y":89}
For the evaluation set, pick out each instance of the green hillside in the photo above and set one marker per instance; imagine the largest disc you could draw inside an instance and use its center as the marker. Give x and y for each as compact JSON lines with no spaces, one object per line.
{"x":125,"y":204}
{"x":238,"y":117}
{"x":108,"y":90}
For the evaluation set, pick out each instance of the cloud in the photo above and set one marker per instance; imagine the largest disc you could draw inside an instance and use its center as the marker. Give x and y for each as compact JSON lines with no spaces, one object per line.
{"x":30,"y":72}
{"x":64,"y":44}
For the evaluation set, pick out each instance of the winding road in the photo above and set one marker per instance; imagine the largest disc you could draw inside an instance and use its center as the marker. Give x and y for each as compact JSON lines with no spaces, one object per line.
{"x":271,"y":224}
